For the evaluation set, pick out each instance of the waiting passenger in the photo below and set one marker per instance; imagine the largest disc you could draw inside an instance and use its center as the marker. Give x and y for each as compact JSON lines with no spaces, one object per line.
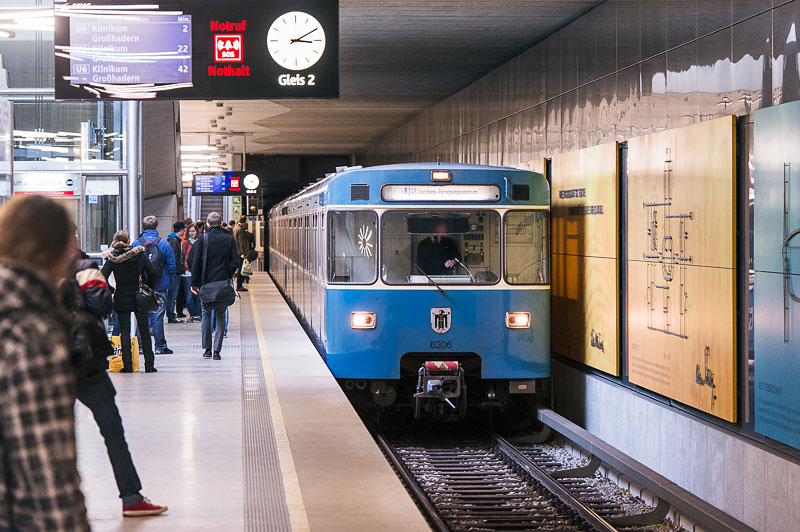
{"x":173,"y":295}
{"x":39,"y":481}
{"x":129,"y":264}
{"x":438,"y":253}
{"x":192,"y":303}
{"x":87,"y":299}
{"x":242,"y":248}
{"x":160,"y":254}
{"x":215,"y":259}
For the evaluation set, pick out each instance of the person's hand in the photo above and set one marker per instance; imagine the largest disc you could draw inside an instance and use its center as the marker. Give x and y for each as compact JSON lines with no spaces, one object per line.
{"x":450,"y":263}
{"x":195,"y":290}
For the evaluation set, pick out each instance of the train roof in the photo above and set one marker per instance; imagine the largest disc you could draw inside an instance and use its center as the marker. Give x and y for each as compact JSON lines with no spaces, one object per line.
{"x":337,"y":189}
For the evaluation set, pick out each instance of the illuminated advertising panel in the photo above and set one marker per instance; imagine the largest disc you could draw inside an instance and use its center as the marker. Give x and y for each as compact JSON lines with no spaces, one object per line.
{"x":196,"y":49}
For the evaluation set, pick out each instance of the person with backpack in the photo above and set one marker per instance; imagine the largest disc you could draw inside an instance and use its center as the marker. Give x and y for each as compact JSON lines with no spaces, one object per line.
{"x":129,"y":265}
{"x":174,"y":240}
{"x":87,"y":300}
{"x":214,"y":262}
{"x":159,"y":253}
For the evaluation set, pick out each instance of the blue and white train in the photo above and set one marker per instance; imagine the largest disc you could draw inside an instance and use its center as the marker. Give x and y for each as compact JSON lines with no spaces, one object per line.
{"x":345,"y":252}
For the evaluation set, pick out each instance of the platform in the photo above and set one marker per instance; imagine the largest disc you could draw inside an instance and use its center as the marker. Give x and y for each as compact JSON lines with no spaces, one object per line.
{"x":262,"y":440}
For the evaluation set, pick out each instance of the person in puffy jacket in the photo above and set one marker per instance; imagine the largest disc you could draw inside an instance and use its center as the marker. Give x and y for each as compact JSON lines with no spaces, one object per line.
{"x":128,"y":264}
{"x":87,"y":300}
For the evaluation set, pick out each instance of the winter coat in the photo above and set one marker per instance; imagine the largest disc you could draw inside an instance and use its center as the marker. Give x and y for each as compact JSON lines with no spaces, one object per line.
{"x":177,"y":251}
{"x":223,"y":260}
{"x":39,"y":481}
{"x":128,"y":264}
{"x":186,"y":249}
{"x":162,"y":282}
{"x":94,"y":287}
{"x":242,"y":242}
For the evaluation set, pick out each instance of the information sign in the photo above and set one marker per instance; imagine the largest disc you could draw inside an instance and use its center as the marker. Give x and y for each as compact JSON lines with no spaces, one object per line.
{"x":196,"y":49}
{"x":224,"y":184}
{"x":432,"y":193}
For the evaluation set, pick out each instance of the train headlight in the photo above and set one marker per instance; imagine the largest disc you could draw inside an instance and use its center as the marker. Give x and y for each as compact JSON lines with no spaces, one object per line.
{"x":363,"y":320}
{"x":518,"y":320}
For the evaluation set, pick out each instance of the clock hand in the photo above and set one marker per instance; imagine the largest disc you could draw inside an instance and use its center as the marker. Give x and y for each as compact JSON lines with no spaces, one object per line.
{"x":301,"y":40}
{"x":306,"y":35}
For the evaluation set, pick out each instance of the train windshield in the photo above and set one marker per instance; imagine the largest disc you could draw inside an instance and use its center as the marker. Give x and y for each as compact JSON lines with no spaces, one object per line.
{"x":442,"y":246}
{"x":526,"y":243}
{"x":352,"y":257}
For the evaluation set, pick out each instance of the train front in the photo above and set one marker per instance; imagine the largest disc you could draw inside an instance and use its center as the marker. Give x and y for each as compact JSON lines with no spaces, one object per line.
{"x":438,"y":291}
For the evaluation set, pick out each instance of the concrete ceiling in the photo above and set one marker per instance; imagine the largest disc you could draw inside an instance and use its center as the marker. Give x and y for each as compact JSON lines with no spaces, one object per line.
{"x":397,"y":58}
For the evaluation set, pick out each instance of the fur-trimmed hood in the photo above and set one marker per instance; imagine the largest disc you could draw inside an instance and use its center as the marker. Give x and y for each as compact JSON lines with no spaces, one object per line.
{"x":120,"y":255}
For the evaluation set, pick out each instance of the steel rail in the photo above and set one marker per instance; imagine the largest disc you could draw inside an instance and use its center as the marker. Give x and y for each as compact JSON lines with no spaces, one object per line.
{"x":416,"y":491}
{"x":600,"y":524}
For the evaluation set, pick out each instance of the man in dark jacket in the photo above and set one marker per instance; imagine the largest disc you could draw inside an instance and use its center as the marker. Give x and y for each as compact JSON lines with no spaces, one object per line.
{"x":215,"y":259}
{"x":438,"y":253}
{"x":174,"y":240}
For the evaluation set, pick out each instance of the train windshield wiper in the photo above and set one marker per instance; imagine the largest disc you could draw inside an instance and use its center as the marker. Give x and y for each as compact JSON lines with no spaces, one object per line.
{"x":431,"y":280}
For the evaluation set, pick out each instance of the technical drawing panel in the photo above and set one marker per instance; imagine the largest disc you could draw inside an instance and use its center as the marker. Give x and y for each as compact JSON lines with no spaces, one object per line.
{"x":585,"y":243}
{"x":584,"y":310}
{"x":681,"y":251}
{"x":776,"y":287}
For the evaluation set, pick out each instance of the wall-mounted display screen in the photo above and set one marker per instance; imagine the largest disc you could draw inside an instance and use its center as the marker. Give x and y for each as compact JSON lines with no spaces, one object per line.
{"x":225,"y":184}
{"x":196,"y":49}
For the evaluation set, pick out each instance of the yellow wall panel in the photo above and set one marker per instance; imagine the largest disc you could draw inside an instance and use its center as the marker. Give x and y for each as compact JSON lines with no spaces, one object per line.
{"x":682,"y":265}
{"x":585,"y":242}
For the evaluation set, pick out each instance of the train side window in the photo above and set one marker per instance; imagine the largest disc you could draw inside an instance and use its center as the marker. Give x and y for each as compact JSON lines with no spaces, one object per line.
{"x":527,"y":252}
{"x":352,"y":251}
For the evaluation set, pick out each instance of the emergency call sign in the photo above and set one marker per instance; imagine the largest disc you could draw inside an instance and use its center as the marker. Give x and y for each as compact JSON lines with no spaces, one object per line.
{"x":227,"y":48}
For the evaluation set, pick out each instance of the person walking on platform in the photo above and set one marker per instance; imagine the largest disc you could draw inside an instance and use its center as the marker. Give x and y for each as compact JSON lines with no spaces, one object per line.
{"x":159,"y":252}
{"x":174,"y":240}
{"x":192,"y":302}
{"x":87,"y":299}
{"x":242,"y":249}
{"x":215,"y":259}
{"x":39,"y":480}
{"x":129,"y":264}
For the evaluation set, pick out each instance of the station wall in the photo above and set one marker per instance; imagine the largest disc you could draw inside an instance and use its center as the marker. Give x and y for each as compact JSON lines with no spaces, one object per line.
{"x":626,"y":69}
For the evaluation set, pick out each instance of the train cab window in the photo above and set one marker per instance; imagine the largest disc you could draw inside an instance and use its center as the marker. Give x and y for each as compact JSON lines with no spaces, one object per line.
{"x":442,"y":247}
{"x":527,"y":252}
{"x":352,"y":237}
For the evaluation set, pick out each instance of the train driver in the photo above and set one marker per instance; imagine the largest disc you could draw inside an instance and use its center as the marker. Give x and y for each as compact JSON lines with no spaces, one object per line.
{"x":438,"y":252}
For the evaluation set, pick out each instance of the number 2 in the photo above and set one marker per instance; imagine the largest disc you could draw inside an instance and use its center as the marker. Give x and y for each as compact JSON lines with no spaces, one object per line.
{"x":185,"y":28}
{"x":312,"y":79}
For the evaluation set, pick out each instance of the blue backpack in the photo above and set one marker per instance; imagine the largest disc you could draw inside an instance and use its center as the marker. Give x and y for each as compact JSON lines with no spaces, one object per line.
{"x":155,"y":257}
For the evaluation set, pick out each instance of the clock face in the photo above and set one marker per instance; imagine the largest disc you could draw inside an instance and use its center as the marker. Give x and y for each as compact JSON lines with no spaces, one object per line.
{"x":296,"y":40}
{"x":251,"y":181}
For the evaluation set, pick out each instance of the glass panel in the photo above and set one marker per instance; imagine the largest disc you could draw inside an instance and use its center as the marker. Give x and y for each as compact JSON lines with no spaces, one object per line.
{"x":526,"y":247}
{"x":446,"y":247}
{"x":102,"y":212}
{"x":353,"y":257}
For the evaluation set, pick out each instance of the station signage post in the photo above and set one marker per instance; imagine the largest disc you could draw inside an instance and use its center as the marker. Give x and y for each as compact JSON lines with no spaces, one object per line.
{"x":196,"y":49}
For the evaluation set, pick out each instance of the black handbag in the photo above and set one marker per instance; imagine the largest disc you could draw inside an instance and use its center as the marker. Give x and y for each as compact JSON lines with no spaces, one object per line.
{"x":216,"y":295}
{"x":147,"y":299}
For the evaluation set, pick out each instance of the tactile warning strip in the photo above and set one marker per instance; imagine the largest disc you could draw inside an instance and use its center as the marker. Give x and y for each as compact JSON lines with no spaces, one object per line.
{"x":264,"y":497}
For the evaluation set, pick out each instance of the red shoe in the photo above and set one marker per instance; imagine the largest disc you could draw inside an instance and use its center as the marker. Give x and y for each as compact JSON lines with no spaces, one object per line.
{"x":145,"y":507}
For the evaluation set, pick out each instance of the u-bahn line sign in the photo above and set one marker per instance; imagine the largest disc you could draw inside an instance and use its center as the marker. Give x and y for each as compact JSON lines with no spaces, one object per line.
{"x":196,"y":49}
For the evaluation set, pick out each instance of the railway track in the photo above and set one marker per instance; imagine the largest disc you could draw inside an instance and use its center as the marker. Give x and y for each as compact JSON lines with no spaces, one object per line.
{"x":484,"y":483}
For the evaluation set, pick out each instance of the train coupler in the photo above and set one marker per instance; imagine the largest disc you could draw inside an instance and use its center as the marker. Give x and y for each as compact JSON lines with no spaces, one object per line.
{"x":439,"y":383}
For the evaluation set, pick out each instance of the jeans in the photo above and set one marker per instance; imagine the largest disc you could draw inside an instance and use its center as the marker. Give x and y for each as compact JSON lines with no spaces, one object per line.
{"x":99,"y":398}
{"x":144,"y":340}
{"x":219,"y":326}
{"x":172,"y":293}
{"x":214,"y":323}
{"x":192,"y":301}
{"x":157,"y":324}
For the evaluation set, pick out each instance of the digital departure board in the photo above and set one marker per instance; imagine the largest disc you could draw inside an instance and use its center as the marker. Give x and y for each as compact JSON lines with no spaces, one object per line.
{"x":225,"y":184}
{"x":196,"y":49}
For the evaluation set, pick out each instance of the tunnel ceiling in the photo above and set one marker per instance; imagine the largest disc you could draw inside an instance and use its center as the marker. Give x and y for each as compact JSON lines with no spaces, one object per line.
{"x":397,"y":58}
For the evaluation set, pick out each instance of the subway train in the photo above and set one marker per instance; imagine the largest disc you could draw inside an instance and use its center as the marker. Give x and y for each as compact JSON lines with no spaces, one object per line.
{"x":422,"y":285}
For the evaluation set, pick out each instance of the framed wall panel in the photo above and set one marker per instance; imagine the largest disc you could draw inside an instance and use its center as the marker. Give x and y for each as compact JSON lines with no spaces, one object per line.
{"x":776,"y":289}
{"x":585,"y":256}
{"x":681,"y":281}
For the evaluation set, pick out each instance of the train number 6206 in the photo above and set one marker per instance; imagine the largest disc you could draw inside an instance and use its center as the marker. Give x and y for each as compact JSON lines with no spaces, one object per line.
{"x":441,"y":344}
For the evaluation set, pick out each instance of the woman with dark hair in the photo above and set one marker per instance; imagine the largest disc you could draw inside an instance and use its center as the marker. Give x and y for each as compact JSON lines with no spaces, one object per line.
{"x":192,"y":302}
{"x":129,"y":264}
{"x":39,"y":481}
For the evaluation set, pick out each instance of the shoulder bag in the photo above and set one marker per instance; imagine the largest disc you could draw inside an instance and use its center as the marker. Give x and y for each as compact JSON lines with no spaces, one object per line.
{"x":216,"y":295}
{"x":147,"y":299}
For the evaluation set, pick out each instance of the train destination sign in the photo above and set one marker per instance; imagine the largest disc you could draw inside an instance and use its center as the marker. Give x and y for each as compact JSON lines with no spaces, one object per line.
{"x":196,"y":49}
{"x":225,"y":184}
{"x":429,"y":193}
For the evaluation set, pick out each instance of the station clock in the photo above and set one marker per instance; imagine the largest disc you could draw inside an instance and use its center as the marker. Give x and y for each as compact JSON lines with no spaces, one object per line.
{"x":296,"y":40}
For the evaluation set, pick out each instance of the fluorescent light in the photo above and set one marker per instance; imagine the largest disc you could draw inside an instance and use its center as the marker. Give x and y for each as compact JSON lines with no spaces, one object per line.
{"x":198,"y":148}
{"x":7,"y":34}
